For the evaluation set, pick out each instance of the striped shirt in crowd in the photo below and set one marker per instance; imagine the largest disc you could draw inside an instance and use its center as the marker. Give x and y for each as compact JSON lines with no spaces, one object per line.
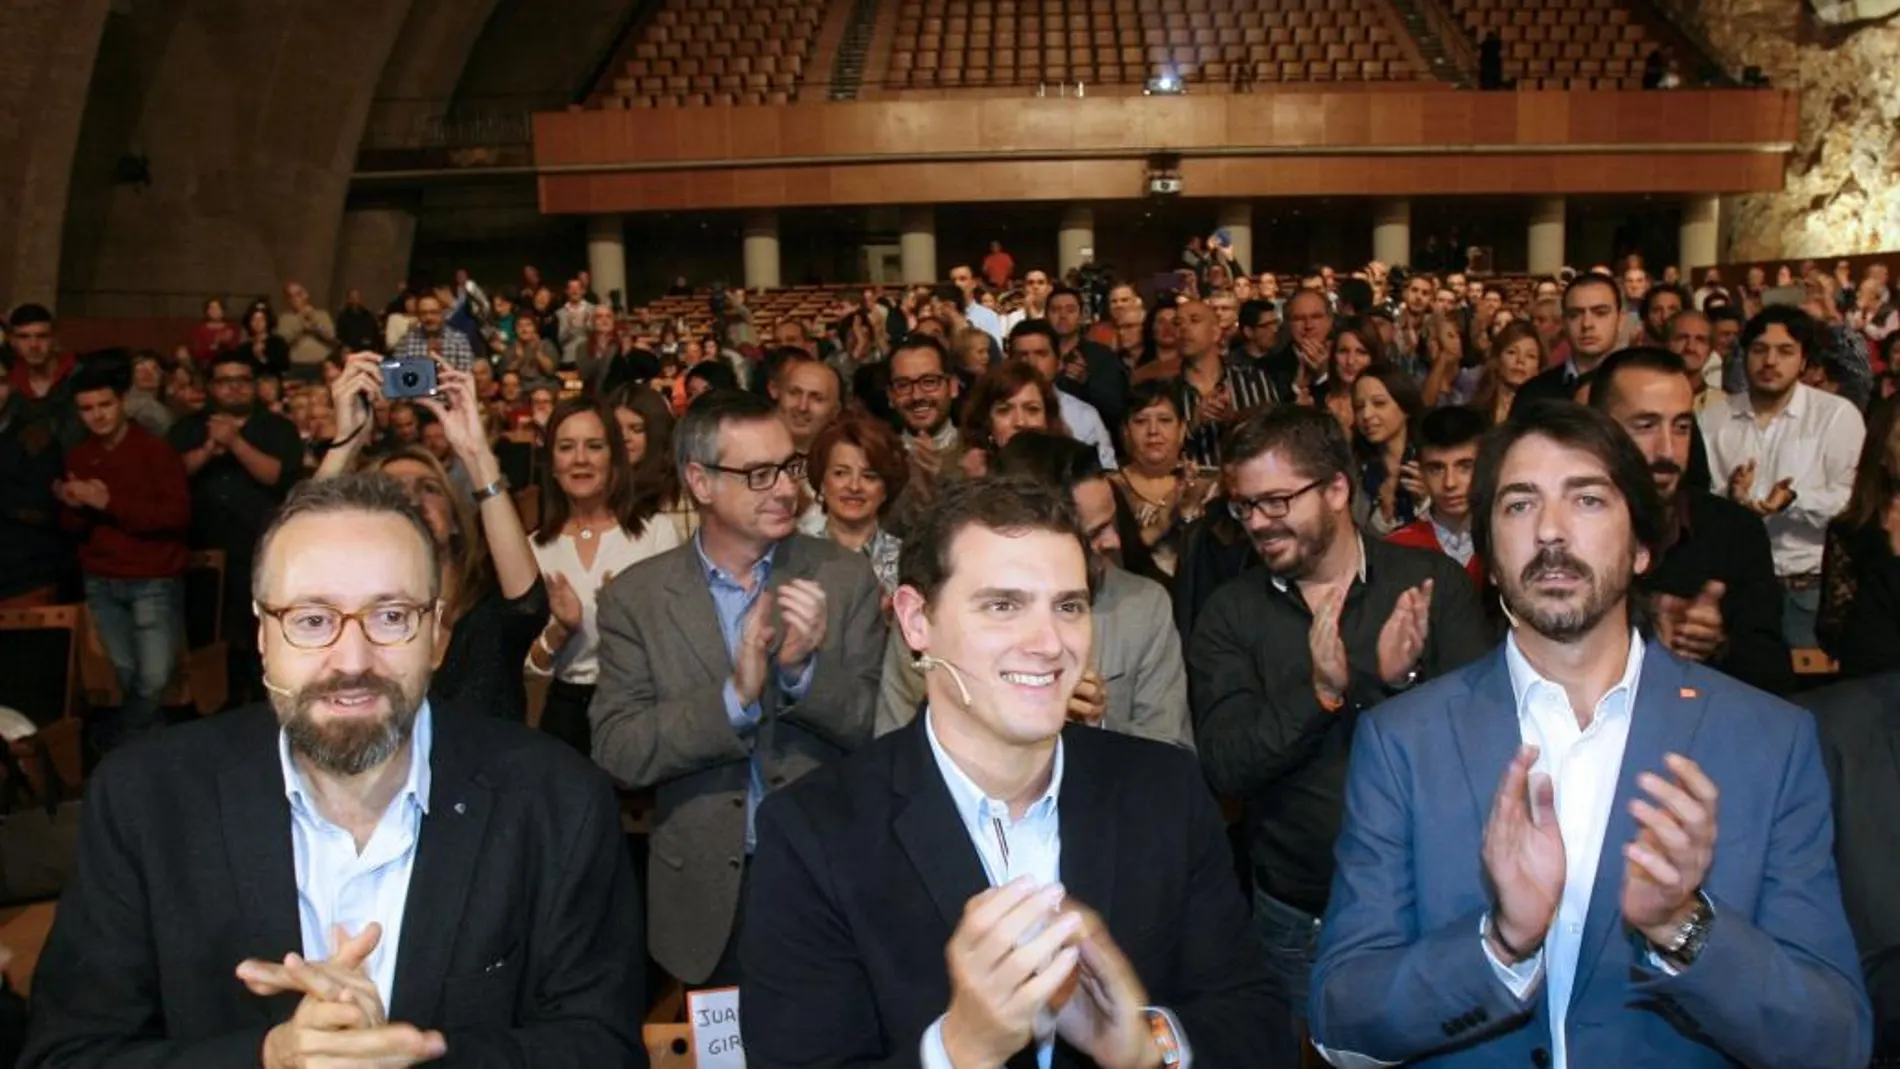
{"x":1250,"y":388}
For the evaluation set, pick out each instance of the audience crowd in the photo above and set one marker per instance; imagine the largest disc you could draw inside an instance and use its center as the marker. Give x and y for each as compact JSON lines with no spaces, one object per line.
{"x":827,"y":591}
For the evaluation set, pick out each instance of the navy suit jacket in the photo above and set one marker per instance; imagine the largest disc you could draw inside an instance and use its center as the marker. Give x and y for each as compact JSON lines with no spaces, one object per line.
{"x":1402,"y":974}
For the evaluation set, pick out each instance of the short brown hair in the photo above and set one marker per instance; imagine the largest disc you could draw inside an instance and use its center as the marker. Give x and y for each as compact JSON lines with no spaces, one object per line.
{"x":998,"y":503}
{"x":997,"y":385}
{"x":882,"y":451}
{"x":1310,"y":439}
{"x":363,"y":491}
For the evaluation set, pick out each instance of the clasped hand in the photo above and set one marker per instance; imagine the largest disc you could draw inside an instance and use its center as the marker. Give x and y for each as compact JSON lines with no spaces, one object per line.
{"x":1018,"y":954}
{"x":341,"y":1022}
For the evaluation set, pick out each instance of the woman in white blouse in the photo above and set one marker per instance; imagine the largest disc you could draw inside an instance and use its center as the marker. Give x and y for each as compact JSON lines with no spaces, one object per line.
{"x":595,"y":523}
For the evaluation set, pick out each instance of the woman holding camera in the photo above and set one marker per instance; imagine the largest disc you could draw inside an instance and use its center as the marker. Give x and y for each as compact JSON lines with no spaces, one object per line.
{"x":493,"y":599}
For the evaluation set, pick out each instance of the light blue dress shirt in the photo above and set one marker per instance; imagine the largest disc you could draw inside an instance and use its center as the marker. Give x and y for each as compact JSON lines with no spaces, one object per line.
{"x":1031,"y":846}
{"x":338,"y":885}
{"x":731,"y":602}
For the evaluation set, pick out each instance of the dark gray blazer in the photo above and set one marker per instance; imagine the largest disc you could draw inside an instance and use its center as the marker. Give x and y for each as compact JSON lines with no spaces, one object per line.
{"x":659,"y":716}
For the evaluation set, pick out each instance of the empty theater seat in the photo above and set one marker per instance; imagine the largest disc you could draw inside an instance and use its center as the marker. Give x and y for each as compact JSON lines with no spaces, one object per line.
{"x":1005,"y":43}
{"x":1562,"y":44}
{"x":717,"y":52}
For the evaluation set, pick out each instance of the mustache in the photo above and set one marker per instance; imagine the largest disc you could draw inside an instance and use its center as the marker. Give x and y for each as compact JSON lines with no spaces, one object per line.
{"x":1554,"y":559}
{"x":370,"y":681}
{"x":1664,"y":466}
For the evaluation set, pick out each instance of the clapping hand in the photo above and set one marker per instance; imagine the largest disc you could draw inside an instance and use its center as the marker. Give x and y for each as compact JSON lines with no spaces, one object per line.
{"x":749,"y":661}
{"x":1010,"y":954}
{"x":1779,"y":498}
{"x":1692,"y":627}
{"x":1523,"y":857}
{"x":1402,"y":639}
{"x":1331,"y":676}
{"x":801,"y":606}
{"x":1088,"y":703}
{"x":1672,"y":852}
{"x":1741,"y":482}
{"x":563,"y":603}
{"x":1106,"y":1016}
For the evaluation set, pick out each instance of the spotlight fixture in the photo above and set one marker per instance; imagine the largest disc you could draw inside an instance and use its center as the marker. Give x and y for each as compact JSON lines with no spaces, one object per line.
{"x":1163,"y":85}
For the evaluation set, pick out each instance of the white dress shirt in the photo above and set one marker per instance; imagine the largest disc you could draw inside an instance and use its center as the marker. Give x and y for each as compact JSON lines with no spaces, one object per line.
{"x":1815,"y":440}
{"x":578,"y":660}
{"x":1031,"y":846}
{"x":1583,"y":765}
{"x":1086,"y":426}
{"x":337,"y":884}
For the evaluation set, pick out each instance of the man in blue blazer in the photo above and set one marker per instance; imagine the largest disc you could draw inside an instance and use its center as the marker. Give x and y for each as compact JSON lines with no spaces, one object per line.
{"x":1584,"y":851}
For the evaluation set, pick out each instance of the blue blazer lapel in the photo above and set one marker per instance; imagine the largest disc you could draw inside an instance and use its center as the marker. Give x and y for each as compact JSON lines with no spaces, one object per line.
{"x":1665,"y":720}
{"x":1487,"y":732}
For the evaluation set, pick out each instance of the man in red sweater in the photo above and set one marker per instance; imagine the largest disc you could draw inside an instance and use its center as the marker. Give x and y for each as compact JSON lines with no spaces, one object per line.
{"x":126,"y":497}
{"x":1447,"y":453}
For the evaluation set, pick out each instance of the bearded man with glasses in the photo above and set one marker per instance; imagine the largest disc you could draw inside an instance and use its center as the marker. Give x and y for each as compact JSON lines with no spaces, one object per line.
{"x":243,"y":884}
{"x":730,"y":667}
{"x":1285,"y":657}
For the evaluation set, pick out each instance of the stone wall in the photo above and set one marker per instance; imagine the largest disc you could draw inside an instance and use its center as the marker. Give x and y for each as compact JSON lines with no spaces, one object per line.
{"x":1843,"y":181}
{"x":51,"y":45}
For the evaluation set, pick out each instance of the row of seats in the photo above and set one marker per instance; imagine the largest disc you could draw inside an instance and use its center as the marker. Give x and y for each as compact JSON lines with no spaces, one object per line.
{"x":1145,"y":21}
{"x":1562,"y":43}
{"x":976,"y":43}
{"x":715,"y":52}
{"x":1214,"y":73}
{"x":748,"y":98}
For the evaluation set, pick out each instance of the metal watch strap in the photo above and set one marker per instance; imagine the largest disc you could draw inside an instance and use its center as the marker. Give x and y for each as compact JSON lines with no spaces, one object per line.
{"x":494,"y":489}
{"x":1691,"y":935}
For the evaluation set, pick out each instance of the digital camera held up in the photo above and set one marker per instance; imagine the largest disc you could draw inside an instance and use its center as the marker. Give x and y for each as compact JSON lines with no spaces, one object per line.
{"x":405,"y":380}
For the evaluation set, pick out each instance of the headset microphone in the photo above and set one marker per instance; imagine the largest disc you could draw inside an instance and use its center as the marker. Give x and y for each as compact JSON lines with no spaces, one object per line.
{"x":925,"y":662}
{"x":281,"y":692}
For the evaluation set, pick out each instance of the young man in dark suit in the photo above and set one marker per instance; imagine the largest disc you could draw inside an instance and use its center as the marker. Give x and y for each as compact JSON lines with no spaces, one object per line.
{"x":347,"y":876}
{"x":1078,"y":882}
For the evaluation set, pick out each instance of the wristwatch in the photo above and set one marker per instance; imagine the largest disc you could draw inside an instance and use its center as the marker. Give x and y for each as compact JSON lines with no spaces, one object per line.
{"x":1691,"y":935}
{"x":494,"y":489}
{"x":1168,"y":1037}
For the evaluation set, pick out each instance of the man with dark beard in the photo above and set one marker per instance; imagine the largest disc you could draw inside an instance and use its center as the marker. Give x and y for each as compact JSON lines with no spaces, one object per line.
{"x":1604,"y":919}
{"x":244,"y":887}
{"x":1712,"y":590}
{"x":1285,"y":658}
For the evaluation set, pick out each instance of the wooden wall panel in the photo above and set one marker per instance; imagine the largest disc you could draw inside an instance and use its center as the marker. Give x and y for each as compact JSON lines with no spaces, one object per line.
{"x":1057,"y":180}
{"x":1292,"y":143}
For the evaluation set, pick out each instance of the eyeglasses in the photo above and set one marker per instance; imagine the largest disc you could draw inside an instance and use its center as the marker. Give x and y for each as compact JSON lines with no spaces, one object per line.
{"x":763,"y":477}
{"x":318,"y":627}
{"x":1272,"y":506}
{"x":232,"y":380}
{"x":925,"y":383}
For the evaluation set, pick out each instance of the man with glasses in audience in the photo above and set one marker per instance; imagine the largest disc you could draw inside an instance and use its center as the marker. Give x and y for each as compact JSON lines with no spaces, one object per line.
{"x":730,"y":667}
{"x":923,"y":393}
{"x":244,"y":881}
{"x":1284,"y":658}
{"x":241,"y":460}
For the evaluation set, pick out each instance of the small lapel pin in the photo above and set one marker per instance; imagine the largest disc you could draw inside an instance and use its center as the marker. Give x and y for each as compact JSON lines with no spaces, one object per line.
{"x":461,"y":808}
{"x":1685,"y":692}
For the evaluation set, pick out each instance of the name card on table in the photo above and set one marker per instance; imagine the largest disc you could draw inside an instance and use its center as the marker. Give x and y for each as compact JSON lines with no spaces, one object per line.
{"x":714,"y":1016}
